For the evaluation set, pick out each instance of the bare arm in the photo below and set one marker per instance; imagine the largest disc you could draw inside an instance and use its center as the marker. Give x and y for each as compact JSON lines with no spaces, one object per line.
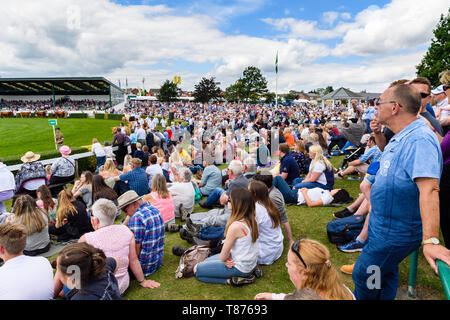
{"x":314,"y":177}
{"x":380,"y":139}
{"x":234,"y":232}
{"x":223,"y":199}
{"x":136,"y":268}
{"x":429,"y":212}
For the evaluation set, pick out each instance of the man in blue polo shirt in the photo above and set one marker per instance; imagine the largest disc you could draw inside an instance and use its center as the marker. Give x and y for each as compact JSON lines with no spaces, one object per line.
{"x":289,"y":169}
{"x":136,"y":179}
{"x":404,"y":198}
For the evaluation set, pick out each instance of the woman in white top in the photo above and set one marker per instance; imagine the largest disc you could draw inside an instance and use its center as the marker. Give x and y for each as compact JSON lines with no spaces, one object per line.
{"x":239,"y":254}
{"x":99,"y":152}
{"x":269,"y":224}
{"x":319,"y":167}
{"x":309,"y":266}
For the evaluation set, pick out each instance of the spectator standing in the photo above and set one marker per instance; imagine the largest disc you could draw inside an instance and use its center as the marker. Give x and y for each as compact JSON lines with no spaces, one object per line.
{"x":404,"y":196}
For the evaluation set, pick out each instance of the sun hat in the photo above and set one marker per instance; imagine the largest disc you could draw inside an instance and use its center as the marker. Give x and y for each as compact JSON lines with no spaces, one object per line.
{"x":65,"y":150}
{"x":438,"y":90}
{"x":128,"y":198}
{"x":30,"y":156}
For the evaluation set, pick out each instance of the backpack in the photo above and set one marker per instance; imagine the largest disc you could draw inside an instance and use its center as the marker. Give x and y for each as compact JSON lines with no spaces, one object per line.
{"x":189,"y":259}
{"x":344,"y":230}
{"x":198,"y":196}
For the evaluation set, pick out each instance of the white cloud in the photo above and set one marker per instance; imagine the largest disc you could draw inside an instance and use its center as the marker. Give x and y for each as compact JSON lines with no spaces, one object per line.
{"x":330,"y":17}
{"x":346,"y":15}
{"x":113,"y":39}
{"x":372,"y":75}
{"x":41,"y":38}
{"x":401,"y":24}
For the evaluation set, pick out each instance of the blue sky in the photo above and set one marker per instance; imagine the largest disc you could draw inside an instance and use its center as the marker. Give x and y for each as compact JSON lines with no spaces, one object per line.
{"x":363,"y":44}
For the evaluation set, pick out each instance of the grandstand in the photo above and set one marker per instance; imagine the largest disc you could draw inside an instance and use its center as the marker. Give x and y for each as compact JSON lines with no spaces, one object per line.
{"x":53,"y":89}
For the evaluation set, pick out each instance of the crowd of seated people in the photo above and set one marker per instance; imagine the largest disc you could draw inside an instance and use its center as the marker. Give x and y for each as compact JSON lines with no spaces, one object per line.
{"x":246,"y":223}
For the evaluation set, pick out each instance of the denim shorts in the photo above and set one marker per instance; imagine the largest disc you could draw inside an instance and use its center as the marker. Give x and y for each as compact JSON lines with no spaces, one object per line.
{"x":370,"y":178}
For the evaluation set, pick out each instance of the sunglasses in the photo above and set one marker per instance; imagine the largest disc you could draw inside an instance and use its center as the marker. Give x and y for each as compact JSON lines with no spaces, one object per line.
{"x":383,"y":102}
{"x":294,"y":248}
{"x":424,"y":95}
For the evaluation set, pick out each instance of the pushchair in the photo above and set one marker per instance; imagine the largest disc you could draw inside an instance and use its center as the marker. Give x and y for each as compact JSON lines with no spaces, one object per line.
{"x":353,"y":134}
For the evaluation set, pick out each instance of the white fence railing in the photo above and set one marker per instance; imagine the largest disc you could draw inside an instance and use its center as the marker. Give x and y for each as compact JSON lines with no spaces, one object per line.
{"x":77,"y":156}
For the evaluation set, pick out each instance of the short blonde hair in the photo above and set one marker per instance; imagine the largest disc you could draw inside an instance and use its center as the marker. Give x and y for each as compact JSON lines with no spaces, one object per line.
{"x":136,"y":162}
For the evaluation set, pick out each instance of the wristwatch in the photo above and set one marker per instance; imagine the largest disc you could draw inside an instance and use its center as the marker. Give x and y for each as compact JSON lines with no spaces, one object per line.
{"x":431,"y":241}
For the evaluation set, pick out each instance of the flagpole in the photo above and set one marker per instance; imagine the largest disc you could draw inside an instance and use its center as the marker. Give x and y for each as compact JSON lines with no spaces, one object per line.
{"x":276,"y":81}
{"x":276,"y":91}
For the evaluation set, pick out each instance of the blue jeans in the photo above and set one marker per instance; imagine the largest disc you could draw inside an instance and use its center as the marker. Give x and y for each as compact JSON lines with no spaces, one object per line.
{"x":348,"y":144}
{"x":311,"y":185}
{"x":209,"y":233}
{"x":212,"y":270}
{"x":195,"y":168}
{"x":214,"y":197}
{"x":289,"y":195}
{"x":385,"y":256}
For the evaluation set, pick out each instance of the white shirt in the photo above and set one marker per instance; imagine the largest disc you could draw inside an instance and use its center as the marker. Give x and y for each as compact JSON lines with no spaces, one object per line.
{"x":141,"y":134}
{"x":98,"y":150}
{"x":320,"y":167}
{"x":7,"y":181}
{"x":444,"y":113}
{"x":316,"y":194}
{"x":152,"y":170}
{"x":183,"y":192}
{"x":270,"y":239}
{"x":26,"y":278}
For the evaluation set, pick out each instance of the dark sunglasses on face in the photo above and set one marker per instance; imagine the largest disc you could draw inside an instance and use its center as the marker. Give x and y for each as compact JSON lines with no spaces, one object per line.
{"x":294,"y":248}
{"x":424,"y":95}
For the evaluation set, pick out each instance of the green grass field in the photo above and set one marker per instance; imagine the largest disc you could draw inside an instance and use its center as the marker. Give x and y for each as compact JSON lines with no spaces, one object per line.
{"x":18,"y":136}
{"x":304,"y":221}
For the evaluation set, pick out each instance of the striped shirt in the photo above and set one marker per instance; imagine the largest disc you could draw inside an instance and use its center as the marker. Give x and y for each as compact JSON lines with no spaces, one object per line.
{"x":147,"y":225}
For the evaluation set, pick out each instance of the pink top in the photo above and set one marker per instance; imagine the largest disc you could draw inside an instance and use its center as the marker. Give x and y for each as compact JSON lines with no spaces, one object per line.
{"x":115,"y":241}
{"x":165,"y":206}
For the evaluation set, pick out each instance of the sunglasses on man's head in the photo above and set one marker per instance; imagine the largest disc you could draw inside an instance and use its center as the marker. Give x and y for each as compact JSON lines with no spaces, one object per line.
{"x":294,"y":248}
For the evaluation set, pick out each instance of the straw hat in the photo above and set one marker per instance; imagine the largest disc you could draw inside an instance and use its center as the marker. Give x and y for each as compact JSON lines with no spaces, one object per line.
{"x":65,"y":150}
{"x":30,"y":156}
{"x":128,"y":198}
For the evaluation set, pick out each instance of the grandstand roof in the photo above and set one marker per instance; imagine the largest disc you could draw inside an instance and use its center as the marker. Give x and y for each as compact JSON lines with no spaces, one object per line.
{"x":62,"y":86}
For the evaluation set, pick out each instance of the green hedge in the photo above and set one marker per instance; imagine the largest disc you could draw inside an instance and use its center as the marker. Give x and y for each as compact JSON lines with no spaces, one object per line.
{"x":12,"y":160}
{"x":78,"y":115}
{"x":87,"y":164}
{"x":109,"y":116}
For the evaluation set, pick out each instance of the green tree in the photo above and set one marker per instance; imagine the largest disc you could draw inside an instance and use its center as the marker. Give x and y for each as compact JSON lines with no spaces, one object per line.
{"x":270,"y":97}
{"x":437,"y":58}
{"x":206,"y":90}
{"x":254,"y":84}
{"x":328,"y":90}
{"x":168,"y":91}
{"x":289,"y":96}
{"x":234,"y":92}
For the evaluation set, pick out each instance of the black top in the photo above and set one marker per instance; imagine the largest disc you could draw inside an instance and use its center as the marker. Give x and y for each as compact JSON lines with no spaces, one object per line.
{"x":80,"y":220}
{"x":103,"y":287}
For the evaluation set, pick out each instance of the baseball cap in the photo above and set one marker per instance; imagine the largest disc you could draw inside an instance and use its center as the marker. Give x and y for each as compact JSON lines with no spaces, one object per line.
{"x":438,"y":90}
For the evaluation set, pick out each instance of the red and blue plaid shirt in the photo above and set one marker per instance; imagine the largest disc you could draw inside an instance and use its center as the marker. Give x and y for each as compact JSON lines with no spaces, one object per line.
{"x":147,"y":225}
